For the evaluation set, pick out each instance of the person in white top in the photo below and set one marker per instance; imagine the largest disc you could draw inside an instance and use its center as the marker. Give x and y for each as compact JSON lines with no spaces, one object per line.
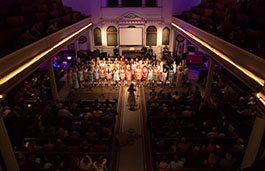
{"x":116,"y":76}
{"x":176,"y":163}
{"x":81,"y":77}
{"x":164,"y":78}
{"x":174,"y":67}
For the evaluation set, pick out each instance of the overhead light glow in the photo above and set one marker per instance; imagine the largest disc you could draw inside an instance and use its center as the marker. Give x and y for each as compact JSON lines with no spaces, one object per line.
{"x":217,"y":52}
{"x":261,"y":97}
{"x":38,"y":57}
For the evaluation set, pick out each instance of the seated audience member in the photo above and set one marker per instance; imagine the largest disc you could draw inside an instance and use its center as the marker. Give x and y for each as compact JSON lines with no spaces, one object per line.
{"x":183,"y":96}
{"x":174,"y":146}
{"x":96,"y":104}
{"x":187,"y":112}
{"x":183,"y":146}
{"x":107,"y":104}
{"x":86,"y":115}
{"x":213,"y":133}
{"x":176,"y":163}
{"x":70,"y":163}
{"x":63,"y":112}
{"x":197,"y":94}
{"x":86,"y":163}
{"x":100,"y":164}
{"x":163,"y":163}
{"x":164,"y":108}
{"x":239,"y":146}
{"x":6,"y":111}
{"x":97,"y":113}
{"x":212,"y":160}
{"x":227,"y":162}
{"x":85,"y":146}
{"x":59,"y":146}
{"x":176,"y":96}
{"x":153,"y":95}
{"x":211,"y":147}
{"x":99,"y":147}
{"x":245,"y":111}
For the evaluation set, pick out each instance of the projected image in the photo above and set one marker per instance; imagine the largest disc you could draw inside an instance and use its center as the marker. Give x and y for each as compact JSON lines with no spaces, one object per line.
{"x":131,"y":36}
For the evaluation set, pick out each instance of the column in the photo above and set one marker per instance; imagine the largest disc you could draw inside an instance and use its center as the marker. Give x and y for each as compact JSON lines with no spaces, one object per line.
{"x":255,"y":137}
{"x":143,"y":3}
{"x":185,"y":52}
{"x":209,"y":80}
{"x":6,"y":147}
{"x":172,"y":44}
{"x":55,"y":95}
{"x":120,"y":3}
{"x":77,"y":48}
{"x":185,"y":46}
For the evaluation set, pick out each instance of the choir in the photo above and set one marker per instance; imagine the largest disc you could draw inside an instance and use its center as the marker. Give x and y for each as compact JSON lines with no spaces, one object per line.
{"x":123,"y":72}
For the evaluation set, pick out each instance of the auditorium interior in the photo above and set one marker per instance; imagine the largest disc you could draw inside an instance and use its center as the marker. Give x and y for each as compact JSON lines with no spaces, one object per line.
{"x":132,"y":85}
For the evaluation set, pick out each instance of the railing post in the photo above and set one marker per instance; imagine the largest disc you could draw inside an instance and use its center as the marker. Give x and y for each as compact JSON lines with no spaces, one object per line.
{"x":55,"y":96}
{"x":255,"y":137}
{"x":5,"y":146}
{"x":209,"y":83}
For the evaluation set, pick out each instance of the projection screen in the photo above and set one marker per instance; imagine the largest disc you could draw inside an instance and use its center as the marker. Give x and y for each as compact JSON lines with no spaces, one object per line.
{"x":131,"y":36}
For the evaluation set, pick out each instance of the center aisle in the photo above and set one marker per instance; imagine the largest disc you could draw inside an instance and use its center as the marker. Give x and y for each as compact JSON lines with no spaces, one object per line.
{"x":131,"y":157}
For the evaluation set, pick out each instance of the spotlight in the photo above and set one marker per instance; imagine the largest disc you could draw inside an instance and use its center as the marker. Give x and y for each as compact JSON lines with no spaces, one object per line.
{"x":69,"y":58}
{"x":1,"y":96}
{"x":29,"y":105}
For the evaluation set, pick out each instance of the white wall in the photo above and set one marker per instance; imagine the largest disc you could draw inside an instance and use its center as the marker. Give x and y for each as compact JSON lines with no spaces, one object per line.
{"x":103,"y":17}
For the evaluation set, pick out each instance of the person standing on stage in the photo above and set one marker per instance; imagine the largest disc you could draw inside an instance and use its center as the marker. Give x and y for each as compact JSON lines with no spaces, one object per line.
{"x":164,"y":78}
{"x":75,"y":79}
{"x":131,"y":97}
{"x":138,"y":74}
{"x":133,"y":67}
{"x":70,"y":77}
{"x":179,"y":78}
{"x":91,"y":77}
{"x":155,"y":75}
{"x":116,"y":76}
{"x":96,"y":74}
{"x":122,"y":75}
{"x":102,"y":76}
{"x":108,"y":75}
{"x":85,"y":69}
{"x":150,"y":77}
{"x":179,"y":67}
{"x":81,"y":77}
{"x":128,"y":75}
{"x":145,"y":72}
{"x":171,"y":75}
{"x":174,"y":67}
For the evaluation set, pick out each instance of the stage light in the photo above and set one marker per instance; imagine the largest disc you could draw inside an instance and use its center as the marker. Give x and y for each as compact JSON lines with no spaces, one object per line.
{"x":29,"y":105}
{"x":69,"y":58}
{"x":1,"y":96}
{"x":223,"y":56}
{"x":38,"y":57}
